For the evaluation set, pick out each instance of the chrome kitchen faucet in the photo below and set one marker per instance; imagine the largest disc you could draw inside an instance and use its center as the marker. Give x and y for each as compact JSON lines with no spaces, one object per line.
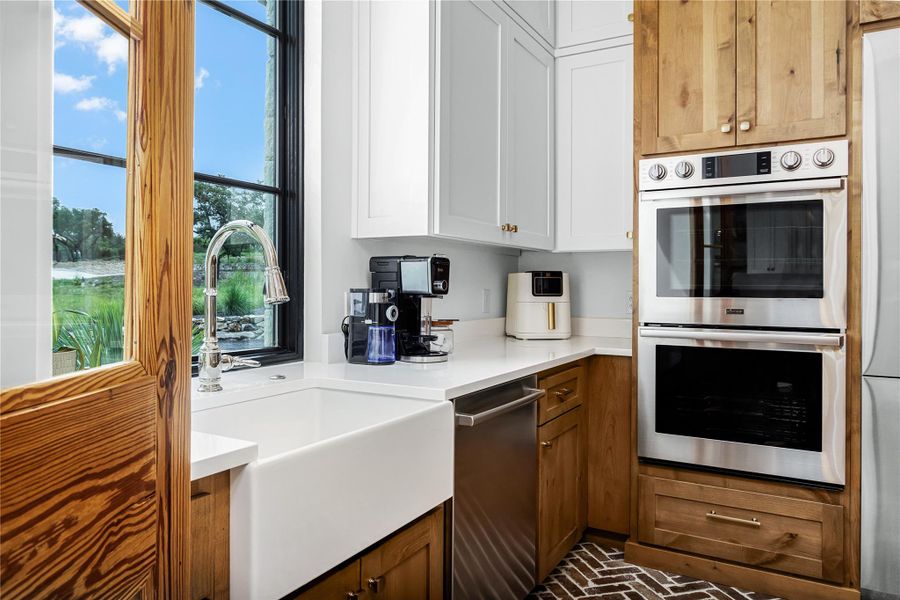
{"x":211,"y":361}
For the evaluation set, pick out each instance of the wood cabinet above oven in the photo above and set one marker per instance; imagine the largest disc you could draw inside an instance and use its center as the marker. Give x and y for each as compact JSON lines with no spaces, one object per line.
{"x":732,"y":73}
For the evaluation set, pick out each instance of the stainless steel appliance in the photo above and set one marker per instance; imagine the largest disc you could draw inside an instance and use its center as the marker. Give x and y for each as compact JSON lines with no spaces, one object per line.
{"x":495,"y":493}
{"x":770,"y":403}
{"x":745,"y":238}
{"x":538,"y":306}
{"x":413,"y":282}
{"x":880,"y":542}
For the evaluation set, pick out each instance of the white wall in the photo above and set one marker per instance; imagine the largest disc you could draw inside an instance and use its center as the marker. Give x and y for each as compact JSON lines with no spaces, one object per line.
{"x":334,"y":261}
{"x":600,"y":281}
{"x":26,"y":174}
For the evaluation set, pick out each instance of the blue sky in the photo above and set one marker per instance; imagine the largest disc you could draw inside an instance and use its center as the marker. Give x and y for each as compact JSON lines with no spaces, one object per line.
{"x":90,"y":86}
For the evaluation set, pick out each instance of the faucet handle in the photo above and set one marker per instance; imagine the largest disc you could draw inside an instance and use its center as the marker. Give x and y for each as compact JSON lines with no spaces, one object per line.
{"x":228,"y":362}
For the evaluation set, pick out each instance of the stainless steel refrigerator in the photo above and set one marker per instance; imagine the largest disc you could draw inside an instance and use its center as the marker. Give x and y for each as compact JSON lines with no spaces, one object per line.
{"x":880,"y":551}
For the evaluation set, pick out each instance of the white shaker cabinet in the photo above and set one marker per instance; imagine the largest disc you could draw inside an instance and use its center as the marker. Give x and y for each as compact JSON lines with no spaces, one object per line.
{"x":594,"y":159}
{"x":585,"y":21}
{"x":472,"y":125}
{"x":440,"y":146}
{"x":539,"y":14}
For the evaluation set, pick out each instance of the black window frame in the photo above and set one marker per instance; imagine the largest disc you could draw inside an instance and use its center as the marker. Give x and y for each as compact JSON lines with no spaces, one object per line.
{"x":288,"y":188}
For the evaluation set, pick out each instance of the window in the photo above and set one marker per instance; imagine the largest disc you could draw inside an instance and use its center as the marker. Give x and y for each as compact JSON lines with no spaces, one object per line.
{"x":247,"y":166}
{"x":247,"y":159}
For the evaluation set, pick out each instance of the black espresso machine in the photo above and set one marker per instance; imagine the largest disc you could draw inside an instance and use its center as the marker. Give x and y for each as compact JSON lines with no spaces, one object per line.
{"x":412,"y":283}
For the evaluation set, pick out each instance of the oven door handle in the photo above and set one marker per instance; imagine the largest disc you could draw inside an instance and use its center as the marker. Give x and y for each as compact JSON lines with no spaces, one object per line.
{"x":835,"y":340}
{"x":831,"y":183}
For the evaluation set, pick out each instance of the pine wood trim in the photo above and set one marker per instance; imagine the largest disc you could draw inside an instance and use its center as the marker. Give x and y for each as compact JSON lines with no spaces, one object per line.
{"x":159,"y":257}
{"x":115,"y":16}
{"x":878,"y":10}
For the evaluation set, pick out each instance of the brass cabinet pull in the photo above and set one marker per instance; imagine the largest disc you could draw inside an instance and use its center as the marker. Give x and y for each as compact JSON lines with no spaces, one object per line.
{"x":754,"y":522}
{"x":563,"y":392}
{"x":376,"y":584}
{"x":546,"y":444}
{"x":630,"y":17}
{"x":504,"y":227}
{"x":629,"y":235}
{"x":745,"y":126}
{"x":514,"y":228}
{"x":355,"y":595}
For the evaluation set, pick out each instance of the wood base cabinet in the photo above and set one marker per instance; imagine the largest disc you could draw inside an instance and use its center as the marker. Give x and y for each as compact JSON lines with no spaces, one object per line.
{"x":210,"y":502}
{"x":791,"y":535}
{"x":561,"y":489}
{"x":409,"y":565}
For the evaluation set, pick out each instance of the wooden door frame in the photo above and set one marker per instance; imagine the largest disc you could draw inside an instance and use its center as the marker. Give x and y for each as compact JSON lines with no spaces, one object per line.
{"x":159,"y":256}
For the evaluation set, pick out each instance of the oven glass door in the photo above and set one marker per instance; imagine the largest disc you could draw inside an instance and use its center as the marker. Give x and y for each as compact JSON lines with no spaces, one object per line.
{"x":759,"y":250}
{"x":763,"y":397}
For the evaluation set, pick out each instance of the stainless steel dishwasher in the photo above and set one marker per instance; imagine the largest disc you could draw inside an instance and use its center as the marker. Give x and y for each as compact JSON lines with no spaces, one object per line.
{"x":495,"y":493}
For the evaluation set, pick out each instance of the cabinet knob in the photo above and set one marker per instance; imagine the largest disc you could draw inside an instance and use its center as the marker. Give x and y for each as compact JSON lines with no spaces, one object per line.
{"x":376,"y":584}
{"x":546,"y":444}
{"x":514,"y":228}
{"x":629,"y":235}
{"x":745,"y":125}
{"x":504,"y":227}
{"x":726,"y":128}
{"x":355,"y":595}
{"x":631,"y":17}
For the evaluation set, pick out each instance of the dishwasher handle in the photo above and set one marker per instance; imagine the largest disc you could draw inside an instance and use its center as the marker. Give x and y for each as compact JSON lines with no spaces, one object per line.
{"x":471,"y":420}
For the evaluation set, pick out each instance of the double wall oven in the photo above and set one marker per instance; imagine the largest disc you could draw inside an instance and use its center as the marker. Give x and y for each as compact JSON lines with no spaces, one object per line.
{"x":741,"y":353}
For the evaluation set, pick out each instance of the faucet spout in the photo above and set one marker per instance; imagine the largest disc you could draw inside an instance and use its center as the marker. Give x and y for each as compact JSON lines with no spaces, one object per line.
{"x":211,"y":361}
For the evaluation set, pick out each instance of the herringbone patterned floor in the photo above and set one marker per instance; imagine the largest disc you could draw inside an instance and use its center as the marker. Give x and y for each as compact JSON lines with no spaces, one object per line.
{"x":590,"y":571}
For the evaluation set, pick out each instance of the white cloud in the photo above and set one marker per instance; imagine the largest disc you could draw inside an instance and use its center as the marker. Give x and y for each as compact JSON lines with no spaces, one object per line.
{"x":200,"y":77}
{"x":89,"y":31}
{"x":120,"y":114}
{"x":95,"y":103}
{"x":65,"y":84}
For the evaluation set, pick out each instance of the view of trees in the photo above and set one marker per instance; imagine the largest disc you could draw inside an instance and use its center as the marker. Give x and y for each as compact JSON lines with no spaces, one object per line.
{"x":215,"y":205}
{"x":84,"y":234}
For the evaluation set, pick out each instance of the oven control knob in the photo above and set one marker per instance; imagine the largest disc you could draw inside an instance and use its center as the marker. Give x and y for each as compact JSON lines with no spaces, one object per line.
{"x":684,"y":169}
{"x":791,"y":160}
{"x":657,"y":172}
{"x":823,"y":158}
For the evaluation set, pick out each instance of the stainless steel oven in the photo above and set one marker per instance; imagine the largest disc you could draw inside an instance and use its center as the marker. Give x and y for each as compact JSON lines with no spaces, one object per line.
{"x":752,"y":238}
{"x":770,"y":403}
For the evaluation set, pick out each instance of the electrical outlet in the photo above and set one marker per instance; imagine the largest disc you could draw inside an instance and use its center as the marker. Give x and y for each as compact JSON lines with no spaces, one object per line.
{"x":629,"y":304}
{"x":485,"y":301}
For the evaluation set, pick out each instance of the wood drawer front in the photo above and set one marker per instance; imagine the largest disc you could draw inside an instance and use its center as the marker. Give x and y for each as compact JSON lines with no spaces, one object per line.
{"x":773,"y":532}
{"x":564,"y":392}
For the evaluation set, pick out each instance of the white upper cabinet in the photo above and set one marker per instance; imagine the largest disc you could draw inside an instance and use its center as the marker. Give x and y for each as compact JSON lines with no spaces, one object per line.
{"x":472,"y":128}
{"x":585,"y":21}
{"x":539,"y":14}
{"x":390,"y":119}
{"x":530,"y":169}
{"x":453,"y":124}
{"x":593,"y":154}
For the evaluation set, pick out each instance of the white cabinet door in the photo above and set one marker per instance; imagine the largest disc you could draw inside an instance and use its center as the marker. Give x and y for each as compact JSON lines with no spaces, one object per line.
{"x":584,"y":21}
{"x":594,"y":151}
{"x":530,"y":170}
{"x":539,"y":14}
{"x":472,"y":128}
{"x":390,"y":119}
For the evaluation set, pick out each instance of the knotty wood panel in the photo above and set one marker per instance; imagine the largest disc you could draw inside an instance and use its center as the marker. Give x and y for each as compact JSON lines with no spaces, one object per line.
{"x":77,"y":511}
{"x":210,"y":502}
{"x":687,"y":75}
{"x":608,"y":436}
{"x":791,"y":70}
{"x":878,"y":10}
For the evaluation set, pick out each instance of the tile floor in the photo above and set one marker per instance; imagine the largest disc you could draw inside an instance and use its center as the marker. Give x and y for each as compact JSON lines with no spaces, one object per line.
{"x":590,"y":571}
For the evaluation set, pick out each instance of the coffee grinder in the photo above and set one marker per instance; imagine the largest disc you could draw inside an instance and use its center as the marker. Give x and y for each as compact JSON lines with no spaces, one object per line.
{"x":369,"y":332}
{"x":413,"y":282}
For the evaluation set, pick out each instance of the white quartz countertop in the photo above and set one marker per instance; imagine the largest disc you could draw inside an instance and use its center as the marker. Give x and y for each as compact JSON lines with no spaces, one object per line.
{"x":211,"y":454}
{"x":476,"y":363}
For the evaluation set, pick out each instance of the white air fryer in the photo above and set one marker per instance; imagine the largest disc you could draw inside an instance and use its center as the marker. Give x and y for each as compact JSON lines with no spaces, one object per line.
{"x":537,"y":306}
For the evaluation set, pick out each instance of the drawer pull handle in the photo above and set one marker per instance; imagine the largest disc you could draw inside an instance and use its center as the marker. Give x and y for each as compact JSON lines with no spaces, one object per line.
{"x":546,"y":444}
{"x":754,"y":522}
{"x":563,"y":393}
{"x":376,"y":584}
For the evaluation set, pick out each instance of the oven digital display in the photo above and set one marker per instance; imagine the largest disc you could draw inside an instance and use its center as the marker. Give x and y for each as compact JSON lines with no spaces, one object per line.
{"x":737,"y":165}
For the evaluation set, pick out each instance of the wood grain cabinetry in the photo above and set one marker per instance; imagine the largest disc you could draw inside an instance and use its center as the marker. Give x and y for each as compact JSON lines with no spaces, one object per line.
{"x":791,"y":535}
{"x":565,"y":390}
{"x":719,"y":74}
{"x":210,"y":502}
{"x":609,"y":443}
{"x":407,"y":565}
{"x":561,"y":488}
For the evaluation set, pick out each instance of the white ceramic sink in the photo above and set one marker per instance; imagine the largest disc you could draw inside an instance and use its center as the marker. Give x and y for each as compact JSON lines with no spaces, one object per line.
{"x":336,"y":472}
